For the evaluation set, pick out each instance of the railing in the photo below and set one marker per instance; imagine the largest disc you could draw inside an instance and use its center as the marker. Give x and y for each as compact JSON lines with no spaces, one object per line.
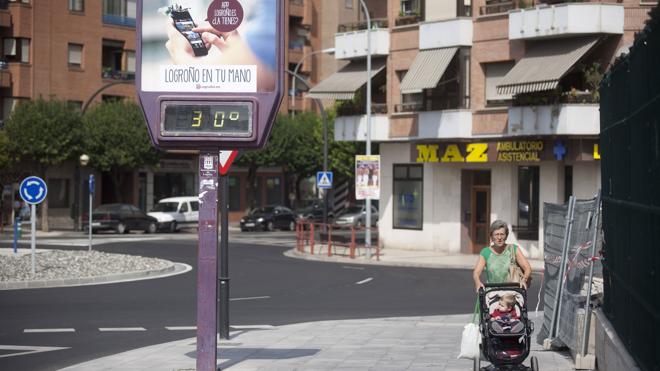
{"x":118,"y":20}
{"x":406,"y":19}
{"x":118,"y":75}
{"x":497,"y":7}
{"x":310,"y":235}
{"x":352,"y":109}
{"x":409,"y":107}
{"x":549,"y":98}
{"x":362,"y":25}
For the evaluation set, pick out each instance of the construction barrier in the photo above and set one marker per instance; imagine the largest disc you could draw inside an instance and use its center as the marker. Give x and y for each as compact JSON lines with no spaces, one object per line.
{"x":314,"y":237}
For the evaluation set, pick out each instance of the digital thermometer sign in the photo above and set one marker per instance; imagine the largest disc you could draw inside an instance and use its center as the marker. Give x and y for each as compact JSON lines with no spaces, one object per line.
{"x":221,"y":119}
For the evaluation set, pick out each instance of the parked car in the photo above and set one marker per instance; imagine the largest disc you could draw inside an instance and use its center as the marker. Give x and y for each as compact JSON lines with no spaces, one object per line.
{"x":357,"y":216}
{"x":268,"y":218}
{"x":121,"y":218}
{"x":313,"y":213}
{"x":176,"y":212}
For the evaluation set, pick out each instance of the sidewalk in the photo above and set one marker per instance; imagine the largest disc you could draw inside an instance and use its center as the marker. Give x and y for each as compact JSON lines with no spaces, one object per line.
{"x":407,"y":343}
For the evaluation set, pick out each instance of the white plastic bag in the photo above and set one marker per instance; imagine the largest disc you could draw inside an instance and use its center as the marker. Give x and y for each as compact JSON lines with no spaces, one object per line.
{"x":470,"y":341}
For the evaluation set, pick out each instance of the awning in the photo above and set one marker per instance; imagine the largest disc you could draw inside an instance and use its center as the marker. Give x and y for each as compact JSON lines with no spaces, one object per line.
{"x":427,"y":70}
{"x":343,"y":84}
{"x":544,"y":64}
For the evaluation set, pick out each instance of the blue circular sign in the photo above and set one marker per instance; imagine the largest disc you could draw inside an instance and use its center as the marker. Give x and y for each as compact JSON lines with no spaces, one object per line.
{"x":33,"y":190}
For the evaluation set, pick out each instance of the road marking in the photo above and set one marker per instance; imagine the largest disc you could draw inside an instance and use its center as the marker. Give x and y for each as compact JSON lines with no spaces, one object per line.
{"x":110,"y":329}
{"x":364,"y":281}
{"x":181,"y":328}
{"x":39,"y":330}
{"x":23,"y":350}
{"x":349,"y":267}
{"x":250,"y":298}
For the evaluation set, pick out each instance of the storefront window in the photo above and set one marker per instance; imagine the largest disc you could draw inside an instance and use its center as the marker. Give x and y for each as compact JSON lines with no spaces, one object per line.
{"x":528,"y":203}
{"x":408,"y":197}
{"x":58,"y":193}
{"x":273,"y":191}
{"x":173,"y":185}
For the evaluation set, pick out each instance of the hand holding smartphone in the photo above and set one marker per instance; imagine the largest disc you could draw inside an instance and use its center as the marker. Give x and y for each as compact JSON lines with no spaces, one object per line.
{"x":184,"y":23}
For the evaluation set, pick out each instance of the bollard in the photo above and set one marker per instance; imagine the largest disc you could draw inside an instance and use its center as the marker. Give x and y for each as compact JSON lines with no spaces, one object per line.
{"x":329,"y":229}
{"x":17,"y":233}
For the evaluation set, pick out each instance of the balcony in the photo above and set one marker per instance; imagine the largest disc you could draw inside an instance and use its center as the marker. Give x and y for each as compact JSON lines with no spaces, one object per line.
{"x":362,"y":25}
{"x":118,"y":20}
{"x":446,"y":33}
{"x":353,"y":44}
{"x":445,"y":124}
{"x":354,"y":128}
{"x":561,"y":119}
{"x":348,"y":108}
{"x":108,"y":74}
{"x":548,"y":21}
{"x":297,"y":8}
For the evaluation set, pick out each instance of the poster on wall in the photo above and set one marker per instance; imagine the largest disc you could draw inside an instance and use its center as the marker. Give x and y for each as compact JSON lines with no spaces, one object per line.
{"x":209,"y":46}
{"x":367,"y":179}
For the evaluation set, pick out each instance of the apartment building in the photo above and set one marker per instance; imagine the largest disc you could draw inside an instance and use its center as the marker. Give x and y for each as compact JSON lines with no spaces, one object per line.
{"x":482,"y":110}
{"x":83,"y":51}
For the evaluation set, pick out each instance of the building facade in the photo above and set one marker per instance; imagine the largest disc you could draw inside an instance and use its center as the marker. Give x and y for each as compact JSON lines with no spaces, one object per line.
{"x":83,"y":52}
{"x":481,"y":109}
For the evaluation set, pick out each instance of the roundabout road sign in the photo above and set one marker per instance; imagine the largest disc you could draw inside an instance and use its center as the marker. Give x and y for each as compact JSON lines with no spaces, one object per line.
{"x":33,"y":190}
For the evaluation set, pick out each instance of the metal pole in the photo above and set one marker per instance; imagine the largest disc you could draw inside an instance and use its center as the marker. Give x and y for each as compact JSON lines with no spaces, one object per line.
{"x":91,"y":196}
{"x":562,"y":267}
{"x":324,"y":115}
{"x":33,"y":237}
{"x":587,"y":311}
{"x":76,"y":199}
{"x":367,"y":236}
{"x":223,"y":279}
{"x":207,"y":257}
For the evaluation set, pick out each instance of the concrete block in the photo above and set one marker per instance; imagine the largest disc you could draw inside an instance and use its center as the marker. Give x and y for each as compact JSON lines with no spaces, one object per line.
{"x":586,"y":362}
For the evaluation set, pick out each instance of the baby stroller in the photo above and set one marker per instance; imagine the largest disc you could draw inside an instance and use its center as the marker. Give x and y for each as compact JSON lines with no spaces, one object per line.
{"x":505,"y":347}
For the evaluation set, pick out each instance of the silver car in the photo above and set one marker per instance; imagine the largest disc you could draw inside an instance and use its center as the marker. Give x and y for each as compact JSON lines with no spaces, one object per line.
{"x":357,"y":216}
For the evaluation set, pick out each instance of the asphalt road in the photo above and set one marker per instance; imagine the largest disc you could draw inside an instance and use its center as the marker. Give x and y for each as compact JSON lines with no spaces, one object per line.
{"x":266,"y":289}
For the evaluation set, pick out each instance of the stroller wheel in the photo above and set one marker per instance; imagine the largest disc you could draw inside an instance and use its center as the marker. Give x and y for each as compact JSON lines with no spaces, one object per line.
{"x":535,"y":364}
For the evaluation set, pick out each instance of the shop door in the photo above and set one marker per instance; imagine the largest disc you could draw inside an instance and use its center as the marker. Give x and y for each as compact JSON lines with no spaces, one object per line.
{"x":480,"y":223}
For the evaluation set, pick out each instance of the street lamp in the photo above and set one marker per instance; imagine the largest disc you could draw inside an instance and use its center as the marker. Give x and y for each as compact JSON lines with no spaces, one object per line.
{"x":367,"y":235}
{"x":324,"y":117}
{"x":295,"y":73}
{"x":84,"y":160}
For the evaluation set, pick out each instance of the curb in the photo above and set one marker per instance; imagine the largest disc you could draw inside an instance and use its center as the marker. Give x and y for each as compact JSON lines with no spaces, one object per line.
{"x":294,"y":253}
{"x":117,"y":277}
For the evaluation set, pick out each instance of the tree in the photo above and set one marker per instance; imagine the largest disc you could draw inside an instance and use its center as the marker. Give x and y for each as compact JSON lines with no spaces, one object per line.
{"x":116,"y":141}
{"x":43,"y":134}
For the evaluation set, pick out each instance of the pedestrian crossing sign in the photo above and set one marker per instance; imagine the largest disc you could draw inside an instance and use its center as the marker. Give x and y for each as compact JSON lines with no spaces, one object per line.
{"x":324,"y":179}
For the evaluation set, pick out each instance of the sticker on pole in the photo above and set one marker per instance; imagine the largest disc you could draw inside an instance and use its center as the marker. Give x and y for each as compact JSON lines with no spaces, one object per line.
{"x":324,"y":179}
{"x":226,"y":159}
{"x":33,"y":190}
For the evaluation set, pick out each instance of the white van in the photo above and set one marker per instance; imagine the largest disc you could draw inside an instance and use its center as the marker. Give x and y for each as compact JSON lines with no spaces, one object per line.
{"x":175,"y":213}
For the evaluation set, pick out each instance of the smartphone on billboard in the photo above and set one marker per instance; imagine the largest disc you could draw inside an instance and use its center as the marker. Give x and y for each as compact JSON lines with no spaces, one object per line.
{"x":184,"y":23}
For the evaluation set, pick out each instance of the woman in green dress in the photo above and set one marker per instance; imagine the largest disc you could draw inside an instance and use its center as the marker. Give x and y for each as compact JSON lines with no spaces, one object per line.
{"x":496,"y":258}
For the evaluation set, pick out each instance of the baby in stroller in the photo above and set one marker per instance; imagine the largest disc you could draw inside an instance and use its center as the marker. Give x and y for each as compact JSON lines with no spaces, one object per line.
{"x":504,"y":326}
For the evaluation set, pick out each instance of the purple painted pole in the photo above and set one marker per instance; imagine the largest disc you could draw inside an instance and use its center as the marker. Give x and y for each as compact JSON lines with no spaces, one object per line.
{"x":207,"y":258}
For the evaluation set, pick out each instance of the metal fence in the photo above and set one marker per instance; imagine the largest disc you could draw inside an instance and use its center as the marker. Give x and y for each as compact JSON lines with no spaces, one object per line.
{"x":572,"y":265}
{"x":630,"y":151}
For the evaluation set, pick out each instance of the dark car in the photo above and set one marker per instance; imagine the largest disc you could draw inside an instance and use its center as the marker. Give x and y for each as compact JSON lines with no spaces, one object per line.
{"x":121,"y":218}
{"x":268,"y":218}
{"x":313,"y":213}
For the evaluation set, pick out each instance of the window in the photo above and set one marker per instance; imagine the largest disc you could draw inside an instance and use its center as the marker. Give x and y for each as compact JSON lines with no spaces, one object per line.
{"x":194,"y":206}
{"x":408,"y":197}
{"x":119,"y":12}
{"x":528,"y":203}
{"x":410,"y":7}
{"x":75,"y":55}
{"x":495,"y":72}
{"x":130,"y":61}
{"x":184,"y":208}
{"x":348,"y":4}
{"x":77,"y":5}
{"x":273,"y":191}
{"x":16,"y":49}
{"x":58,"y":193}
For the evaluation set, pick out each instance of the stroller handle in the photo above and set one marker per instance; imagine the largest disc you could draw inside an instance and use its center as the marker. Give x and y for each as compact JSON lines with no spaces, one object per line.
{"x":503,"y":284}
